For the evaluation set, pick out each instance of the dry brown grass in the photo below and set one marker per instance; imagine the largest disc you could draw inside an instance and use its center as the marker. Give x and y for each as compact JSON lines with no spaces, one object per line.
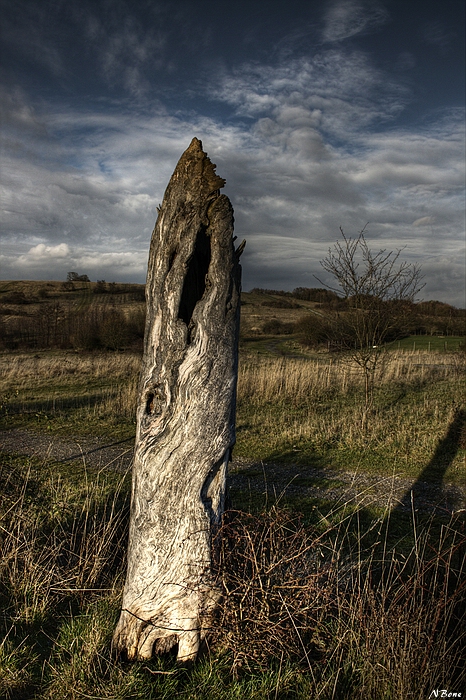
{"x":22,"y":368}
{"x":296,"y":380}
{"x":287,"y":407}
{"x":67,"y":541}
{"x":321,"y":611}
{"x":303,"y":409}
{"x":62,"y":544}
{"x":260,"y":378}
{"x":339,"y":609}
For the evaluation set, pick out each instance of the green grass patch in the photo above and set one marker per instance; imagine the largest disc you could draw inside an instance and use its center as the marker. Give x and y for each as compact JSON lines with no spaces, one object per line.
{"x":450,"y":343}
{"x":412,"y":429}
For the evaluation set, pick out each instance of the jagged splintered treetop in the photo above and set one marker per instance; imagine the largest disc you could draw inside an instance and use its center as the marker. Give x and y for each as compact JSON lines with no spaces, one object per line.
{"x":194,"y":220}
{"x":195,"y":174}
{"x":203,"y":173}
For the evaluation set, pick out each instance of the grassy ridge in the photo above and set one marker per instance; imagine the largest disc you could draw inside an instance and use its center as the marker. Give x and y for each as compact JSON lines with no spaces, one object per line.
{"x":90,"y":315}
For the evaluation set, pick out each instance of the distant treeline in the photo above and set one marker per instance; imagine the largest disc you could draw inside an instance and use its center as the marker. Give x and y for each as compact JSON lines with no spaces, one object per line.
{"x":103,"y":287}
{"x":423,"y":318}
{"x":316,"y":294}
{"x":61,"y":325}
{"x":84,"y":315}
{"x":136,"y":292}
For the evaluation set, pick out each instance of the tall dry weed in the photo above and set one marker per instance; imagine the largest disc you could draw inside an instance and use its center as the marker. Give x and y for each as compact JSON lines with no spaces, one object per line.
{"x":56,"y":538}
{"x":303,"y":406}
{"x":24,"y":367}
{"x":297,"y":380}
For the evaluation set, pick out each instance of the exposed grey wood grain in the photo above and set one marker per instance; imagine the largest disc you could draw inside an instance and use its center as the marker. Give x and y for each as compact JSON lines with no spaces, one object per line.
{"x":185,"y":415}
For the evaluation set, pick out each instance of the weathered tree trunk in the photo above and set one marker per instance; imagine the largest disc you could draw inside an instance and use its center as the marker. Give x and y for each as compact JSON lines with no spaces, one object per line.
{"x":185,"y":415}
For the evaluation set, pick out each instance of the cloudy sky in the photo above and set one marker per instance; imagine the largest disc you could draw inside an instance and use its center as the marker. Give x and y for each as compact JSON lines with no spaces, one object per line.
{"x":319,"y":114}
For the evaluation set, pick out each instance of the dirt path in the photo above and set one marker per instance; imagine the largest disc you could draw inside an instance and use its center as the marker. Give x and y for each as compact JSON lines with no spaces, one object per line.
{"x":93,"y":451}
{"x":255,"y":477}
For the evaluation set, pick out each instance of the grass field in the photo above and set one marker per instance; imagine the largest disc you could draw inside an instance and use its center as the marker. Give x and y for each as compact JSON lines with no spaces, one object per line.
{"x":303,"y":410}
{"x":323,"y":600}
{"x":428,"y":342}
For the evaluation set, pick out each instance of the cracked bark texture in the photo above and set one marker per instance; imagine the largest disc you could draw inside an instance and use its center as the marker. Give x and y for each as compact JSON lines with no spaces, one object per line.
{"x":185,"y":416}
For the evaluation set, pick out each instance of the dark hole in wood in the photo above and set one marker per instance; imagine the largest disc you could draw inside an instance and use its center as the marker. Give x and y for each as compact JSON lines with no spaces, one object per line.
{"x":167,"y":646}
{"x":150,"y":404}
{"x":172,"y":259}
{"x":195,"y":280}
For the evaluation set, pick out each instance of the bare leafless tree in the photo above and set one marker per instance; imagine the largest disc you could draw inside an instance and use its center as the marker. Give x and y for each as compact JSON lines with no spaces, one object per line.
{"x":380,"y":291}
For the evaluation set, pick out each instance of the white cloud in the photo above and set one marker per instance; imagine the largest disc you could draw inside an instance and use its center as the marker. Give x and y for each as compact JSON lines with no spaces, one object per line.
{"x":54,"y":262}
{"x":347,"y":18}
{"x":339,"y":92}
{"x":41,"y":252}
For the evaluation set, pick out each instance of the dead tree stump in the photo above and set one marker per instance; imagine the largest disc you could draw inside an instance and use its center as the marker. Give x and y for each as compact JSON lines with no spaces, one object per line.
{"x":185,"y":416}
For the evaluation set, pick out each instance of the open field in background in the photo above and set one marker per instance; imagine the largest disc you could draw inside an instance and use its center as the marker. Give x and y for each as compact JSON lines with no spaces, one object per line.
{"x":310,"y":411}
{"x":325,"y":599}
{"x":426,"y":342}
{"x":306,"y":411}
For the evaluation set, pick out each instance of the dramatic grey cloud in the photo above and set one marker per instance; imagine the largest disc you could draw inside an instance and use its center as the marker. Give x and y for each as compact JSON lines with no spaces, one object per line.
{"x":336,"y":90}
{"x":307,"y":140}
{"x":126,"y":47}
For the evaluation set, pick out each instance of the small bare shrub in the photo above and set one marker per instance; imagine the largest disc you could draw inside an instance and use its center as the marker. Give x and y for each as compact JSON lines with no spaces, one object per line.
{"x":272,"y":578}
{"x":277,"y":327}
{"x":363,"y":623}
